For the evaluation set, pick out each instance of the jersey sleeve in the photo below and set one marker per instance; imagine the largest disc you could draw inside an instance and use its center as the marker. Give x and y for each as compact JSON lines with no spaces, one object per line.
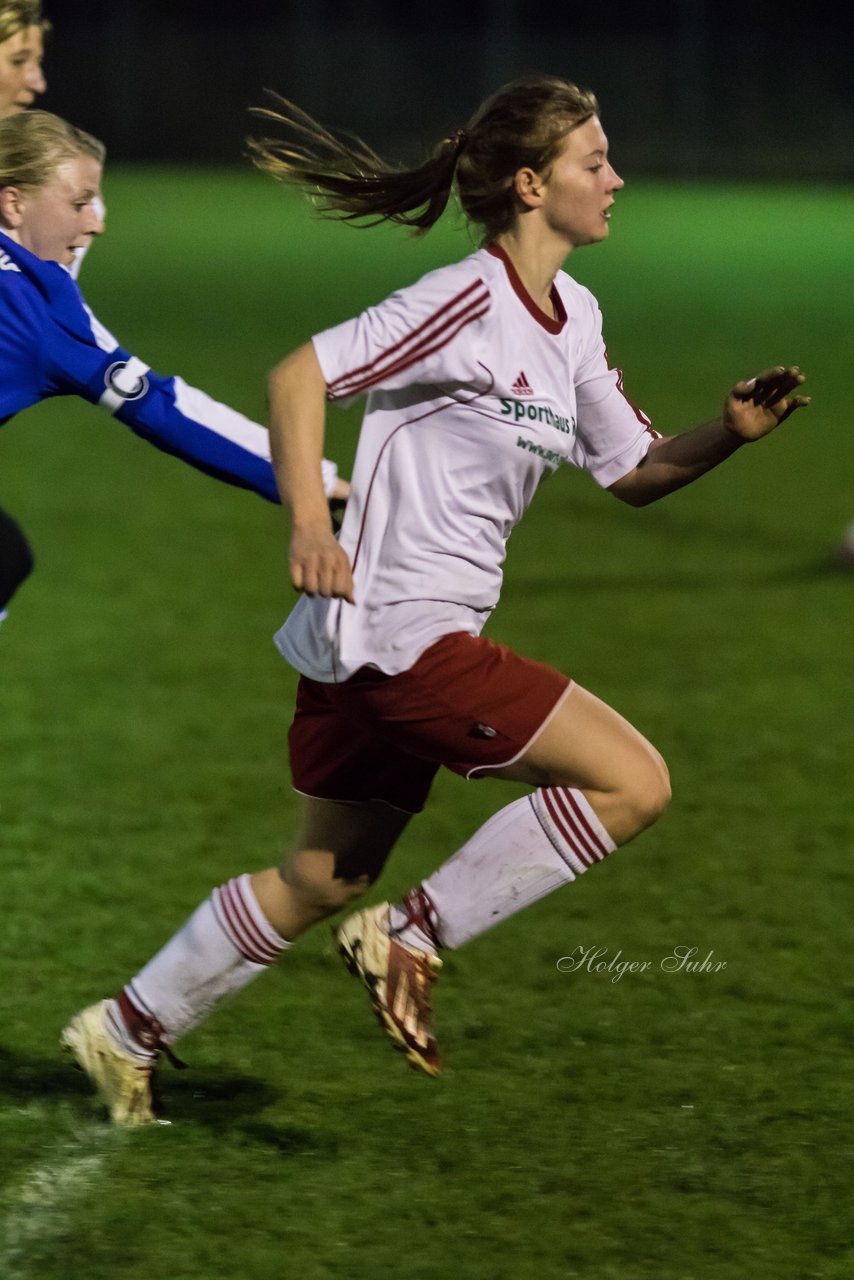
{"x":189,"y":424}
{"x":166,"y":411}
{"x":425,"y":334}
{"x":52,"y":345}
{"x":613,"y":434}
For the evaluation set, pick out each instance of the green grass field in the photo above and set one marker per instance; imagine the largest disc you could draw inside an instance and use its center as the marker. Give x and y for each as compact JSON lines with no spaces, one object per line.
{"x":668,"y":1126}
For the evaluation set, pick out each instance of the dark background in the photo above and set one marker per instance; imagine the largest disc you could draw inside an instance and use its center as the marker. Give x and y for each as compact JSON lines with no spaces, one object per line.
{"x":687,"y":87}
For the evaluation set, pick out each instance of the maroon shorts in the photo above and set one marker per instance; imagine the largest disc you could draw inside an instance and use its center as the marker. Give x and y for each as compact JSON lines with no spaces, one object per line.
{"x":467,"y":703}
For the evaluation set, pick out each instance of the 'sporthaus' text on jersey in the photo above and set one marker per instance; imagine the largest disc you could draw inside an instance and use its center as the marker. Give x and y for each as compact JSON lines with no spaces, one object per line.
{"x":530,"y":411}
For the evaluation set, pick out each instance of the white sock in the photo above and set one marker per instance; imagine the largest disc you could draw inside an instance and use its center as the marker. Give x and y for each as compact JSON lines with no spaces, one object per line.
{"x":226,"y":943}
{"x":527,"y":850}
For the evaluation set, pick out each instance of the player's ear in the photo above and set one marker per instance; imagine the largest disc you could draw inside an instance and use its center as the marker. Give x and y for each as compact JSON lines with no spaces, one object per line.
{"x":11,"y":206}
{"x":528,"y":185}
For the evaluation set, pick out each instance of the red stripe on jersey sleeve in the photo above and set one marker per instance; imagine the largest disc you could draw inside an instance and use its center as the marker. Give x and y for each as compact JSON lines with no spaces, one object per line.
{"x":351,"y":382}
{"x":449,"y":331}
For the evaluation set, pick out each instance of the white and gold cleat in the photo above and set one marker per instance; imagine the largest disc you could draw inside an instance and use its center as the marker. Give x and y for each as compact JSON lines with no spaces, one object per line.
{"x":398,"y":978}
{"x":122,"y":1079}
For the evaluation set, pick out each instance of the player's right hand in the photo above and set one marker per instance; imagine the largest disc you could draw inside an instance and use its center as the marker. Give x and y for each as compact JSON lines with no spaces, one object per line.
{"x":319,"y":566}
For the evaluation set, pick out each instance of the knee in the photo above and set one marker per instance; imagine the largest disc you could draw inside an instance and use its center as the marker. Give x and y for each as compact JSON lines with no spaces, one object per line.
{"x":313,"y":881}
{"x":649,"y":793}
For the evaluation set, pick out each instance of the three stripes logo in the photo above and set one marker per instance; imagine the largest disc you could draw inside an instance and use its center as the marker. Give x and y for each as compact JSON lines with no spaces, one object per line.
{"x":522,"y":387}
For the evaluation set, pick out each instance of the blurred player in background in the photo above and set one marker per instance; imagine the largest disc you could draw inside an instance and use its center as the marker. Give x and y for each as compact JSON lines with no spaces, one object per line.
{"x":50,"y":342}
{"x":22,"y":32}
{"x":481,"y":380}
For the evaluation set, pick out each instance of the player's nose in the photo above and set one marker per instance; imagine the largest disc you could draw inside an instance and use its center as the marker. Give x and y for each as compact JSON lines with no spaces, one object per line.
{"x":36,"y":82}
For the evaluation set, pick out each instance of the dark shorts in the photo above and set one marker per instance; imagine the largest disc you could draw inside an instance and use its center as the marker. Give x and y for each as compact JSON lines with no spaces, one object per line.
{"x":467,"y":703}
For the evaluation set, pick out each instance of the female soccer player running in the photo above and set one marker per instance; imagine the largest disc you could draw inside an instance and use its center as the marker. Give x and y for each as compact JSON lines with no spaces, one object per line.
{"x":481,"y":379}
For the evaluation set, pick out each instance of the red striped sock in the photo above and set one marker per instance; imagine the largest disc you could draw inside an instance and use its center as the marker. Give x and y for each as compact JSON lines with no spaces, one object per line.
{"x":528,"y":849}
{"x":244,"y":923}
{"x":225,"y":944}
{"x":571,"y":824}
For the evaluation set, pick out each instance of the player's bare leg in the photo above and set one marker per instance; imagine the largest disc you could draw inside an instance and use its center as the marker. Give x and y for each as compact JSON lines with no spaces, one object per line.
{"x":341,"y":850}
{"x":588,"y":745}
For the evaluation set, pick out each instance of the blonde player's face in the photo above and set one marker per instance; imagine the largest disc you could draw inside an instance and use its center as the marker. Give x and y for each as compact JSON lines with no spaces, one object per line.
{"x":60,"y":217}
{"x":21,"y":78}
{"x":579,"y":190}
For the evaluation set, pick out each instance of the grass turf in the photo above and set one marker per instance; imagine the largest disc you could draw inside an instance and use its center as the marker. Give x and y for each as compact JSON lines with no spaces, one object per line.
{"x":675,"y":1125}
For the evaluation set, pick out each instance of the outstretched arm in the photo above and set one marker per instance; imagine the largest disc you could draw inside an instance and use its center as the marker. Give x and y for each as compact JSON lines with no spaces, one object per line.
{"x":297,"y":391}
{"x":752,"y":409}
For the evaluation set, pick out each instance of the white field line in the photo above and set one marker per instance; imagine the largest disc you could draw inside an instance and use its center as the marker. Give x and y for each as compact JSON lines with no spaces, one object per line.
{"x":38,"y":1211}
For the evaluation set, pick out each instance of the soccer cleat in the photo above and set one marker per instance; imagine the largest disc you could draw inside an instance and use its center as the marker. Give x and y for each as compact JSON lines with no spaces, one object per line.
{"x":122,"y":1079}
{"x":398,"y":978}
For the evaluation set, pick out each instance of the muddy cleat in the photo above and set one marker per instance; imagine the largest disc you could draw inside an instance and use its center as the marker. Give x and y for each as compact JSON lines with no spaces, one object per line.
{"x":122,"y":1079}
{"x":398,"y":978}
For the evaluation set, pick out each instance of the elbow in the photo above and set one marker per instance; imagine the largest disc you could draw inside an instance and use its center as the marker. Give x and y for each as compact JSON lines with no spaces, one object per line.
{"x":643,"y":498}
{"x":633,"y":495}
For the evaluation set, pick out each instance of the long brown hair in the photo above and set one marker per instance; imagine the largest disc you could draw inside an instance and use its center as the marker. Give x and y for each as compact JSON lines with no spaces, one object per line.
{"x":521,"y":126}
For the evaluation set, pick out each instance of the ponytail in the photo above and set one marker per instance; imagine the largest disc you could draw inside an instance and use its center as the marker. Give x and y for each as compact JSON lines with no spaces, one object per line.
{"x":345,"y":178}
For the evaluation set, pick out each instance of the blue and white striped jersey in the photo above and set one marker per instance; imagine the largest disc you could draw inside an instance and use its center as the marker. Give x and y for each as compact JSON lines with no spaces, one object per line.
{"x":52,"y":345}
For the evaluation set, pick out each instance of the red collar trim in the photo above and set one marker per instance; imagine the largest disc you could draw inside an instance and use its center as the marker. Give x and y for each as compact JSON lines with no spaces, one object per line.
{"x":550,"y":323}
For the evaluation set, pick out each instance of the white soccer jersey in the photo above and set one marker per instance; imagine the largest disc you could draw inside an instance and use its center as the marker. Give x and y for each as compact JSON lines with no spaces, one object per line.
{"x":474,"y":395}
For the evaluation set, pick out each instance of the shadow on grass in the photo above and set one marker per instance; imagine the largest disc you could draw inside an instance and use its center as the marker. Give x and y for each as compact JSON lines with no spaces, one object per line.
{"x":222,"y":1102}
{"x":229,"y":1103}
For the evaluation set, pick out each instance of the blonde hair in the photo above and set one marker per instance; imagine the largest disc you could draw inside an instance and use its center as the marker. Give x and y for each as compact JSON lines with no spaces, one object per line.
{"x":33,"y":144}
{"x":20,"y":15}
{"x":523,"y":125}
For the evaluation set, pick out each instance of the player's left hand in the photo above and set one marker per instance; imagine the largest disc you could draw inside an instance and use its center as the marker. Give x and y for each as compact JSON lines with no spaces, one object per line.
{"x":755,"y":407}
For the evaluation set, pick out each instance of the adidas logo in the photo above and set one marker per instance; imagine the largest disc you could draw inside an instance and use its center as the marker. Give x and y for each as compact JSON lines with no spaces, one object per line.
{"x":522,"y":387}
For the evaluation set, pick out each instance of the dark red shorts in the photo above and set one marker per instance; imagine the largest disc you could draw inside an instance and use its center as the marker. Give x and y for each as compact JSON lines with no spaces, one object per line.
{"x":467,"y":703}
